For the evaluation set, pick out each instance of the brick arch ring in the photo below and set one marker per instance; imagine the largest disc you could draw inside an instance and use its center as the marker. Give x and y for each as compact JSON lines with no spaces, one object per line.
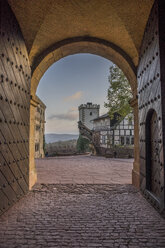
{"x":85,"y":44}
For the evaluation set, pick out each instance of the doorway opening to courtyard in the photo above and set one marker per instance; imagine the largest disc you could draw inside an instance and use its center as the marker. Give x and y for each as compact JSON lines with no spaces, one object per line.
{"x":85,"y":80}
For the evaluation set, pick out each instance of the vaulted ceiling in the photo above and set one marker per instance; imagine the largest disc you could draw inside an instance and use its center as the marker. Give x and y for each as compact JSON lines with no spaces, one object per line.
{"x":45,"y":22}
{"x":53,"y":29}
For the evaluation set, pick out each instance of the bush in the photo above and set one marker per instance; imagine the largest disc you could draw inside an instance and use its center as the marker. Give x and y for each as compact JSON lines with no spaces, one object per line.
{"x":83,"y":144}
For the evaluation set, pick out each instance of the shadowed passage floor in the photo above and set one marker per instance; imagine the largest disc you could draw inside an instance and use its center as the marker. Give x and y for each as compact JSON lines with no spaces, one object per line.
{"x":82,"y":201}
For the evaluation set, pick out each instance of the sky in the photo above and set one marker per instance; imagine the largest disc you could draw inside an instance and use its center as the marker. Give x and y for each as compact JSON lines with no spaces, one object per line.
{"x":69,"y":82}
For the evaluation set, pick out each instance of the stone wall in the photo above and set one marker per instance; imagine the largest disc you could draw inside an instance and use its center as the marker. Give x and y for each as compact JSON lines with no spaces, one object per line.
{"x":39,"y":128}
{"x":116,"y":152}
{"x":68,"y":147}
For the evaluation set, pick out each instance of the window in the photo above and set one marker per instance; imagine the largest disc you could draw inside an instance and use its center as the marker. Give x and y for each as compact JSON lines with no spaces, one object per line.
{"x":121,"y":132}
{"x":37,"y":147}
{"x":103,"y":139}
{"x":127,"y":140}
{"x":132,"y":140}
{"x":111,"y":140}
{"x":116,"y":138}
{"x":130,"y":121}
{"x":122,"y":140}
{"x":37,"y":127}
{"x":127,"y":132}
{"x":90,"y":113}
{"x":116,"y":132}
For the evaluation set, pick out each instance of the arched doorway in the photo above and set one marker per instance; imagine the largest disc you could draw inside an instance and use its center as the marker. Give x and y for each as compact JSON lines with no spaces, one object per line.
{"x":92,"y":46}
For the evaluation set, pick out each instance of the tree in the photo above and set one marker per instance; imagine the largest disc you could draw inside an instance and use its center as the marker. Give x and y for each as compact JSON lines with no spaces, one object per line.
{"x":119,"y":93}
{"x":82,"y":144}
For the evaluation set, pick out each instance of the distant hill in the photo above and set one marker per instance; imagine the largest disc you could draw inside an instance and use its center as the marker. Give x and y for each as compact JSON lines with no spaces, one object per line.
{"x":54,"y":137}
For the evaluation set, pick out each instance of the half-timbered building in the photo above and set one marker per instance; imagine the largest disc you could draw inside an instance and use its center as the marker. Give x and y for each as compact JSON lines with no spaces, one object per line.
{"x":117,"y":132}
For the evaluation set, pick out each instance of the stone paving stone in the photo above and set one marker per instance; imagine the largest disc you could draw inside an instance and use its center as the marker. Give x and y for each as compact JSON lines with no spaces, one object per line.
{"x":54,"y":215}
{"x":104,"y":214}
{"x":84,"y":170}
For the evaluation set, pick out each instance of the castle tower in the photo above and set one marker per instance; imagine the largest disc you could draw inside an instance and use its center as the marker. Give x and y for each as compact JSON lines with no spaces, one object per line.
{"x":88,"y":112}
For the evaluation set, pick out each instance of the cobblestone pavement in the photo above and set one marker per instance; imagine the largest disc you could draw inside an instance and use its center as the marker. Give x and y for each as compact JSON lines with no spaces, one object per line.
{"x":84,"y":169}
{"x":82,"y":215}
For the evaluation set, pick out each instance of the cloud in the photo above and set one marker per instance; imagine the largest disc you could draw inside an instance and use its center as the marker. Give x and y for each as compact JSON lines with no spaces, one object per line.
{"x":71,"y":115}
{"x":66,"y":116}
{"x":73,"y":97}
{"x":61,"y":126}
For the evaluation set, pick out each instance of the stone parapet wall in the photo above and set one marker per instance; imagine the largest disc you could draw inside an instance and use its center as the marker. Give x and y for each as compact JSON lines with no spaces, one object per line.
{"x":118,"y":152}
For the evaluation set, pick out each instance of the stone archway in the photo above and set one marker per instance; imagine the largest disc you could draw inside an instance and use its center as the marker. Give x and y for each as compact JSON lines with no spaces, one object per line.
{"x":84,"y":45}
{"x":111,"y":29}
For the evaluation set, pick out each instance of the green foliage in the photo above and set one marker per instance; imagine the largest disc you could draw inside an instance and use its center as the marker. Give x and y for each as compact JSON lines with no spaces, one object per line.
{"x":119,"y":93}
{"x":61,"y":148}
{"x":82,"y":144}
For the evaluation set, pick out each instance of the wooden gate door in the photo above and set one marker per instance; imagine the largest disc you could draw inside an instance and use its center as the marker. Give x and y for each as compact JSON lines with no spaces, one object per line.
{"x":155,"y":166}
{"x":15,"y":76}
{"x":151,"y":101}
